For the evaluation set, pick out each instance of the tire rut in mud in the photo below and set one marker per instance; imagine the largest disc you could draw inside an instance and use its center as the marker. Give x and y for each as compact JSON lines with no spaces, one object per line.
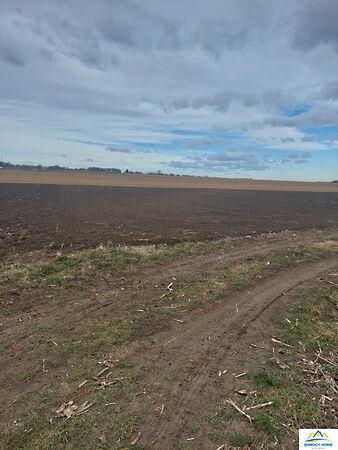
{"x":189,"y":359}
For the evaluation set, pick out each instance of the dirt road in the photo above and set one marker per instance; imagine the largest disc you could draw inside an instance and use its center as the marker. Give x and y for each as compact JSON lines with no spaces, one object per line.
{"x":156,"y":346}
{"x":191,"y":356}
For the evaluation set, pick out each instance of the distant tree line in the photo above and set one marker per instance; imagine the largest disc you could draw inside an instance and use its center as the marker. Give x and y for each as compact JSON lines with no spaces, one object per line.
{"x":8,"y":165}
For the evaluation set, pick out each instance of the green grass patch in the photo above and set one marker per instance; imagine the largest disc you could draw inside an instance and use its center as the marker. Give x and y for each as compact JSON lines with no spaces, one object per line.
{"x":220,"y":417}
{"x":100,"y":427}
{"x":108,"y":332}
{"x":311,"y":321}
{"x":89,"y":264}
{"x":72,"y":270}
{"x":88,"y":431}
{"x":215,"y":436}
{"x":238,"y":439}
{"x":218,"y":422}
{"x":196,"y":292}
{"x":291,"y":403}
{"x":264,"y":423}
{"x":64,"y":269}
{"x":163,"y":253}
{"x":264,"y":379}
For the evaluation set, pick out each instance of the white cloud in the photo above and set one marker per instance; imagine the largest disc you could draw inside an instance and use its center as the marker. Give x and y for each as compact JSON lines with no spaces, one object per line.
{"x":284,"y":138}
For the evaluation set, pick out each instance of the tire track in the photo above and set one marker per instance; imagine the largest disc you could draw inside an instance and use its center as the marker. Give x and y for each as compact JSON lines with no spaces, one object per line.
{"x":209,"y":340}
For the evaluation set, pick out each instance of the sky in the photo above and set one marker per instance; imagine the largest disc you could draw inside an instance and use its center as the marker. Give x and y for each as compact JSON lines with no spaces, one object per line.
{"x":226,"y":88}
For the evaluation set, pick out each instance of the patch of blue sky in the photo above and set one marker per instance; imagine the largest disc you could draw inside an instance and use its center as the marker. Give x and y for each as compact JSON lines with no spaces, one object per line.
{"x":183,"y":132}
{"x":117,"y":144}
{"x":331,"y":157}
{"x":230,"y":135}
{"x":148,"y":146}
{"x":209,"y":138}
{"x":296,"y":111}
{"x":323,"y":133}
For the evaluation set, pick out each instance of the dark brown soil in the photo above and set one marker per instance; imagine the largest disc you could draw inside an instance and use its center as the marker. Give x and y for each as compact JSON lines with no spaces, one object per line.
{"x":52,"y":217}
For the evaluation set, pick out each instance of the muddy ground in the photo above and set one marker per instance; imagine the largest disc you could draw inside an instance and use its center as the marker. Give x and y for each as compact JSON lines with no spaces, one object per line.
{"x":36,"y":216}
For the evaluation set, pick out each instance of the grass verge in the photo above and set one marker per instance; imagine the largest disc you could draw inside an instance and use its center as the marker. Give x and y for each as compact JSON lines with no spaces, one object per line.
{"x":301,"y":393}
{"x":299,"y":384}
{"x":71,"y":270}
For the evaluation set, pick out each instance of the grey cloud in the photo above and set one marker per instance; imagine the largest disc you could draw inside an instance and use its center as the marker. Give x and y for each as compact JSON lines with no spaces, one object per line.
{"x":18,"y":51}
{"x":85,"y":141}
{"x":117,"y":32}
{"x":302,"y":156}
{"x":222,"y":100}
{"x":10,"y":51}
{"x":313,"y":118}
{"x":110,"y":148}
{"x":232,"y":28}
{"x":118,"y":150}
{"x":202,"y":142}
{"x":163,"y":27}
{"x":296,"y":158}
{"x":128,"y":150}
{"x":219,"y":101}
{"x":132,"y":26}
{"x":85,"y":30}
{"x":69,"y":97}
{"x":276,"y":97}
{"x":62,"y":35}
{"x":231,"y":156}
{"x":293,"y":158}
{"x":92,"y":56}
{"x":308,"y":139}
{"x":227,"y":160}
{"x":317,"y":24}
{"x":329,"y":91}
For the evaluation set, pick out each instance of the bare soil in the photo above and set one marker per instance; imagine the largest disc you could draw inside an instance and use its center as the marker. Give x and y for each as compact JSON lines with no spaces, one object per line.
{"x":35,"y":217}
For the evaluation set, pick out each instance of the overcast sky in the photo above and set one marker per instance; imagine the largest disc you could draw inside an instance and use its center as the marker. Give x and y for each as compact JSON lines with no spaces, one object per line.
{"x":231,"y":88}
